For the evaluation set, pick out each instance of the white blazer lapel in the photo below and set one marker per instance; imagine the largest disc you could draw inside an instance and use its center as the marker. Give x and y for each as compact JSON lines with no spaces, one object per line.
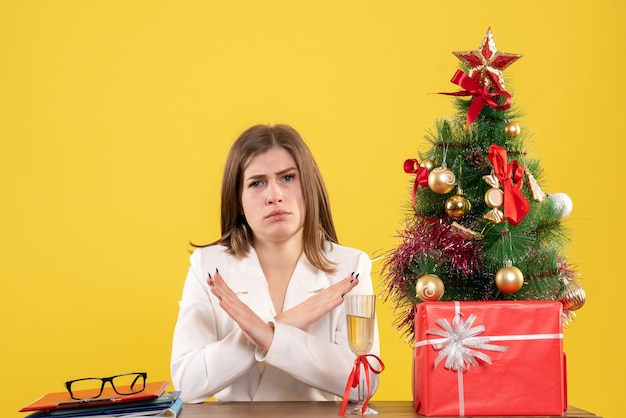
{"x":247,"y":280}
{"x":305,"y":282}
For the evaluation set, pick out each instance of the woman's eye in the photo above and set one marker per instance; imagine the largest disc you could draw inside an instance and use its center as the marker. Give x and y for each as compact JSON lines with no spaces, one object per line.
{"x":289,"y":177}
{"x":255,"y":184}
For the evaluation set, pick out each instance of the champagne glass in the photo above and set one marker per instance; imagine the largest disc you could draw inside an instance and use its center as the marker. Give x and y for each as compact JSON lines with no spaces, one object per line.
{"x":360,"y":311}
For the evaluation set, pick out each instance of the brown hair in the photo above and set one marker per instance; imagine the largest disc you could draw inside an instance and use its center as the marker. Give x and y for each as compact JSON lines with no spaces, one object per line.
{"x":318,"y":222}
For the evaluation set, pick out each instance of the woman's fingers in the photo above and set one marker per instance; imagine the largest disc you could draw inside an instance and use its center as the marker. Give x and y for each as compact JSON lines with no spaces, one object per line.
{"x":313,"y":308}
{"x":256,"y":330}
{"x":346,"y":285}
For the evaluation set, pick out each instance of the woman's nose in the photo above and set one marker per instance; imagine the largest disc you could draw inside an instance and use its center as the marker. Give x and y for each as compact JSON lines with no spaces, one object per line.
{"x":274,"y":193}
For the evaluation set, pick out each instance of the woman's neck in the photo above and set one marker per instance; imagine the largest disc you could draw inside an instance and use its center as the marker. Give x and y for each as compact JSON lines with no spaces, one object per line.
{"x":278,"y":262}
{"x":275,"y":255}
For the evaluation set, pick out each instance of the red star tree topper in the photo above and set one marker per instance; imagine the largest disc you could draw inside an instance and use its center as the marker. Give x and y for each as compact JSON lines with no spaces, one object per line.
{"x":485,"y":65}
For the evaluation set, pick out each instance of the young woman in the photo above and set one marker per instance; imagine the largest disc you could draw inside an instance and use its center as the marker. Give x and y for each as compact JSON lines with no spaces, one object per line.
{"x":261,"y":315}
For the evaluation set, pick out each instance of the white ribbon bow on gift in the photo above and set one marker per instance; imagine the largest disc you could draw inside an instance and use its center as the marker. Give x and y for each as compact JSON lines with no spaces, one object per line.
{"x":460,"y":344}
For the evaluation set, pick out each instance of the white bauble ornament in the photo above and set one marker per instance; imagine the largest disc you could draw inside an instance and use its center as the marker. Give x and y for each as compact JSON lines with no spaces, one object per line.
{"x":562,"y":202}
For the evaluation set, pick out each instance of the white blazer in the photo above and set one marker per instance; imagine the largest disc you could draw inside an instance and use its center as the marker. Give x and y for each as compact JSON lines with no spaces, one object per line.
{"x":212,"y":357}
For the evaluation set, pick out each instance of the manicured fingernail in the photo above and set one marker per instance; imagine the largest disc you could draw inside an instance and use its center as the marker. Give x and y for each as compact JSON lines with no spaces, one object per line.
{"x":357,"y":275}
{"x":209,"y":275}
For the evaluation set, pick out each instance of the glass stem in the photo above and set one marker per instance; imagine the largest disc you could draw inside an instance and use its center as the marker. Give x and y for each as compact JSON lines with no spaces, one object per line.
{"x":362,"y":387}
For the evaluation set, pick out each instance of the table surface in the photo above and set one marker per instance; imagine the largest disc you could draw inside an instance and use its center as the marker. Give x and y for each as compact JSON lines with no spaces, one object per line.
{"x":396,"y":409}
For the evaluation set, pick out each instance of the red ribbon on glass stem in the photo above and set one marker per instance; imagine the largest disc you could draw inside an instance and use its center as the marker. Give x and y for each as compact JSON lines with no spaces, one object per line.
{"x":511,"y":178}
{"x":355,"y":377}
{"x":481,"y":96}
{"x":412,"y":166}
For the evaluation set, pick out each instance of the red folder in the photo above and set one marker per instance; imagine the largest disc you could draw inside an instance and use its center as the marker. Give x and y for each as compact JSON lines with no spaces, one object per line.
{"x":63,"y":400}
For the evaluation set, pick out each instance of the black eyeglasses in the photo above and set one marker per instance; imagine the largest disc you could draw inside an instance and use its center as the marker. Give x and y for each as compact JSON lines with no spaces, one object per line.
{"x":92,"y":387}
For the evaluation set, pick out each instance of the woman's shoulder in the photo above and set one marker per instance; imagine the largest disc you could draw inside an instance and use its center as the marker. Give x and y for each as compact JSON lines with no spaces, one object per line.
{"x":214,"y":253}
{"x":212,"y":257}
{"x":335,"y":251}
{"x":349,"y":259}
{"x":211,"y":249}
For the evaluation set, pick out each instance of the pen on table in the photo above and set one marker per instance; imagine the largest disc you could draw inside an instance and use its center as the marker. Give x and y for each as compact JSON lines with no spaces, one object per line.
{"x":87,"y":401}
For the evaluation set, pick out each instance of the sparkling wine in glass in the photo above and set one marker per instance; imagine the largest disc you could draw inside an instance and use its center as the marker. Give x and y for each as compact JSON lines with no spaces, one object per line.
{"x":360,"y":317}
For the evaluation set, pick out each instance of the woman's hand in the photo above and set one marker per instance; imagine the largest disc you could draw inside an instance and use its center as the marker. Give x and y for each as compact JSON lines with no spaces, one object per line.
{"x":312,"y":309}
{"x":259,"y":332}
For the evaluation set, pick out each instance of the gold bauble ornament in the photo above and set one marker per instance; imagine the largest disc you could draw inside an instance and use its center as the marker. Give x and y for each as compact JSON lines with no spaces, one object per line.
{"x":494,"y":198}
{"x":512,"y":129}
{"x":429,"y":288}
{"x":509,"y":279}
{"x":573,"y":297}
{"x":458,"y":206}
{"x":428,"y":164}
{"x":441,"y":180}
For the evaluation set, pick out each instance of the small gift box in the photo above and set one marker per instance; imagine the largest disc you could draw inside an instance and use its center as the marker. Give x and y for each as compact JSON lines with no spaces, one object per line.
{"x":489,"y":358}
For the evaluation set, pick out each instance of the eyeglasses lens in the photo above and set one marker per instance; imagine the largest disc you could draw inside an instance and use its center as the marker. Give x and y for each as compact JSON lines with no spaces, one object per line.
{"x":127,"y":384}
{"x":86,"y":388}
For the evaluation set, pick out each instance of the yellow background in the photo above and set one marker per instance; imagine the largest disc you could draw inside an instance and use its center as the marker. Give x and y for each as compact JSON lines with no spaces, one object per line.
{"x":116,"y":116}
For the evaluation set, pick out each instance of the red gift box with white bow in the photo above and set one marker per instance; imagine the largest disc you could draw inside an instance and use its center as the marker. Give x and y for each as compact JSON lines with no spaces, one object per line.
{"x":489,"y":358}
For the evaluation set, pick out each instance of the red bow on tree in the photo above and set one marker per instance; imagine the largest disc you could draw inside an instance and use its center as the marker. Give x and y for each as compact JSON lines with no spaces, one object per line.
{"x":511,"y":177}
{"x":482,"y":96}
{"x":412,"y":166}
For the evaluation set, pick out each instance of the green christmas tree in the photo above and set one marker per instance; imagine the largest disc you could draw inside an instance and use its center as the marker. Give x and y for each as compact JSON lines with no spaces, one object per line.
{"x":479,"y":226}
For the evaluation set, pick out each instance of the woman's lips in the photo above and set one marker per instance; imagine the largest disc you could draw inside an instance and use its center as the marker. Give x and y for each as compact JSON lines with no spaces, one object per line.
{"x":277,"y":215}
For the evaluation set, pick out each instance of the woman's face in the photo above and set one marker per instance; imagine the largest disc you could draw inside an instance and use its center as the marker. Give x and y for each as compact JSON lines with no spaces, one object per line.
{"x":272,"y":198}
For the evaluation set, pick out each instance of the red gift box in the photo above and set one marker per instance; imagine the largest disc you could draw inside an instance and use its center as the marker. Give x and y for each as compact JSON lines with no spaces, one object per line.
{"x":489,"y":358}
